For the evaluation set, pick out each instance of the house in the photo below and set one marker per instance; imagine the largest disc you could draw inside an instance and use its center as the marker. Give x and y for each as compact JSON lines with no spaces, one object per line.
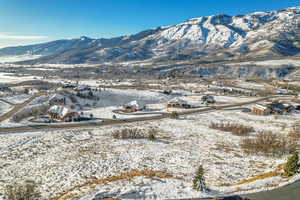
{"x":68,"y":84}
{"x":218,"y":83}
{"x":4,"y":88}
{"x":57,"y":99}
{"x":283,"y":91}
{"x":167,"y":92}
{"x":277,"y":108}
{"x":208,"y":99}
{"x":261,"y":109}
{"x":133,"y":106}
{"x":63,"y":113}
{"x":83,"y":87}
{"x":178,"y":103}
{"x":272,"y":108}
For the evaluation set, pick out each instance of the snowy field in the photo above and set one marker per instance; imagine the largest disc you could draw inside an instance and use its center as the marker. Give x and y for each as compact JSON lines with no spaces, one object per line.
{"x":58,"y":160}
{"x":17,"y":99}
{"x":7,"y":59}
{"x":291,"y":62}
{"x":11,"y":78}
{"x":4,"y":107}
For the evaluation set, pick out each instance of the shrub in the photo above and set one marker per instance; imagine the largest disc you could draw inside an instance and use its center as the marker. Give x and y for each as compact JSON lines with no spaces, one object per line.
{"x":135,"y":133}
{"x":268,"y":143}
{"x":22,"y":191}
{"x":152,"y":133}
{"x":199,"y":181}
{"x":292,"y":166}
{"x":234,"y":128}
{"x":295,"y":132}
{"x":174,"y":115}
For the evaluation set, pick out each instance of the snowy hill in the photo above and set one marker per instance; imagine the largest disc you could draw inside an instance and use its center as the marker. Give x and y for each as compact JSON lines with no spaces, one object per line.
{"x":263,"y":34}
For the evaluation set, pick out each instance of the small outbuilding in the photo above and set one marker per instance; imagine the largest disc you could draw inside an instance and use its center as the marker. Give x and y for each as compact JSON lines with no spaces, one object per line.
{"x":57,"y":99}
{"x":261,"y":109}
{"x":208,"y":99}
{"x":178,"y":103}
{"x":283,"y":91}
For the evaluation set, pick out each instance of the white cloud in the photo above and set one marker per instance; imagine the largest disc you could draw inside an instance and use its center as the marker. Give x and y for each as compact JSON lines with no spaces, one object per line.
{"x":21,"y":37}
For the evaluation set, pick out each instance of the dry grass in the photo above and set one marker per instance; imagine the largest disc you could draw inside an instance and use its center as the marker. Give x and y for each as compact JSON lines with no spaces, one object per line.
{"x":136,"y":133}
{"x":268,"y":144}
{"x":259,"y":177}
{"x":234,"y":128}
{"x":295,"y":132}
{"x":126,"y":176}
{"x":277,"y":172}
{"x":26,"y":190}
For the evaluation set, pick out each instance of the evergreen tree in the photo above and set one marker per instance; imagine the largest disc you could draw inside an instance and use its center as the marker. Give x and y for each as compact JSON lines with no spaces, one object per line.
{"x":292,"y":166}
{"x":174,"y":115}
{"x":199,"y":181}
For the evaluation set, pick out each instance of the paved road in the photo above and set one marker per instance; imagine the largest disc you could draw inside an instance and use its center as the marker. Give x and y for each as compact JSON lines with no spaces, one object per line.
{"x":289,"y":192}
{"x":115,"y":122}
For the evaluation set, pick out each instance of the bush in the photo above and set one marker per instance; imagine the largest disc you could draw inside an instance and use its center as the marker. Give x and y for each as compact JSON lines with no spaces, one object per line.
{"x":292,"y":166}
{"x":174,"y":115}
{"x":199,"y":181}
{"x":268,"y":143}
{"x":295,"y":132}
{"x":22,"y":191}
{"x":234,"y":128}
{"x":135,"y":133}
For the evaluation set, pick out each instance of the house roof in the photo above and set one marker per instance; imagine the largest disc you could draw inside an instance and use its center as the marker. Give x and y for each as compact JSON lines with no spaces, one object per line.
{"x":177,"y":100}
{"x":135,"y":104}
{"x":57,"y":96}
{"x":261,"y":107}
{"x":82,"y":87}
{"x":61,"y":110}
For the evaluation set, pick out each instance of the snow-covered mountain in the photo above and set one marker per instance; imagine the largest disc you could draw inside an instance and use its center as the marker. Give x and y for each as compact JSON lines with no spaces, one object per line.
{"x":259,"y":34}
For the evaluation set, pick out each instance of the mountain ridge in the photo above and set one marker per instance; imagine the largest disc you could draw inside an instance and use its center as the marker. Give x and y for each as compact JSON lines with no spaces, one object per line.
{"x":267,"y":34}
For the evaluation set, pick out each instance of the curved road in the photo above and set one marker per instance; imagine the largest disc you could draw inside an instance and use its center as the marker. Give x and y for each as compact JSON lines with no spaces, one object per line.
{"x":289,"y":192}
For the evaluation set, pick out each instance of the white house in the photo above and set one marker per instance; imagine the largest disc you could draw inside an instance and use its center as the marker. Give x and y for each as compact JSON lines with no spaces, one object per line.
{"x":282,"y":91}
{"x":134,"y":106}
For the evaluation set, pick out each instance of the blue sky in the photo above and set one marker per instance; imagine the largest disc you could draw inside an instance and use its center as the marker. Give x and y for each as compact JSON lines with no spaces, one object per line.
{"x":34,"y":21}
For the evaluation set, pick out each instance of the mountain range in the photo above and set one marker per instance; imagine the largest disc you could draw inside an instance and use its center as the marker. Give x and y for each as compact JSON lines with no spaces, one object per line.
{"x":258,"y":34}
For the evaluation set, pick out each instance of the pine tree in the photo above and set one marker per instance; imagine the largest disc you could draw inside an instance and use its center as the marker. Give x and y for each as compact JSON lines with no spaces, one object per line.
{"x":199,"y":181}
{"x":292,"y":166}
{"x":174,"y":115}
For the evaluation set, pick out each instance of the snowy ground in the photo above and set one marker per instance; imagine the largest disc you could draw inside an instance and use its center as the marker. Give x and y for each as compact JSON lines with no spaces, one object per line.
{"x":11,"y":78}
{"x":292,"y":62}
{"x":7,"y":59}
{"x":16,"y":99}
{"x":4,"y":107}
{"x":58,"y":160}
